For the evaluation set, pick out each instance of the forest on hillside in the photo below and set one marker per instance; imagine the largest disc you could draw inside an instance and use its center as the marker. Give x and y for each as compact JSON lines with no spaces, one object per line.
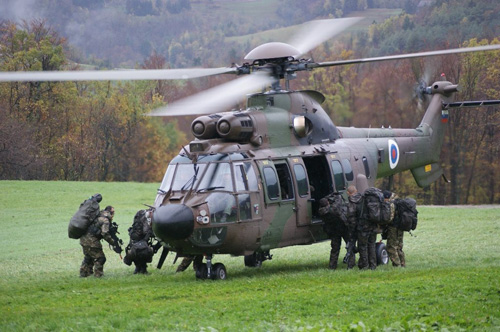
{"x":96,"y":130}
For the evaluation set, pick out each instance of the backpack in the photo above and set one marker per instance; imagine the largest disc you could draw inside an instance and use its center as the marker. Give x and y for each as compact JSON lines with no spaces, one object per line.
{"x":334,"y":214}
{"x":377,"y":210}
{"x":338,"y":208}
{"x":136,"y":232}
{"x":405,"y":217}
{"x":139,"y":251}
{"x":83,"y":218}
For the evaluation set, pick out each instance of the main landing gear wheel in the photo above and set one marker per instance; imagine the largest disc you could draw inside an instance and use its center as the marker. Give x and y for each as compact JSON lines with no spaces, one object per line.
{"x":382,"y":255}
{"x":217,"y":272}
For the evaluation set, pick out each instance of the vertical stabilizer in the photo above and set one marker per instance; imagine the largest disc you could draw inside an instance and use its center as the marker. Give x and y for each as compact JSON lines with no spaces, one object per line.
{"x":433,"y":123}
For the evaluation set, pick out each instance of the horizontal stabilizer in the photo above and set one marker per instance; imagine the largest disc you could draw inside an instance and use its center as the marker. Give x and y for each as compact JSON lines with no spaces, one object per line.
{"x":425,"y":175}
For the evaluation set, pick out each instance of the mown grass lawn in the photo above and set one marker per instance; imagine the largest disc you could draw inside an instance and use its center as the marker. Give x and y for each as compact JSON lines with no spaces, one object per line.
{"x":451,"y":281}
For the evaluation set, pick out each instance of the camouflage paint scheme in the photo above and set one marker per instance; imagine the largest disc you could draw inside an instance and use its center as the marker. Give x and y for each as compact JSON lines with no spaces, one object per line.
{"x":284,"y":132}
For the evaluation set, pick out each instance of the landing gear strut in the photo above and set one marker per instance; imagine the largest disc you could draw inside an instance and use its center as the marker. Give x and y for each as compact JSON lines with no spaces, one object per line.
{"x":208,"y":270}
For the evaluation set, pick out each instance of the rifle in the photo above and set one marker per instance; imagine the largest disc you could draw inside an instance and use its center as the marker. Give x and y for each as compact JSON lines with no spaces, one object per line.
{"x":117,"y":246}
{"x":351,"y":250}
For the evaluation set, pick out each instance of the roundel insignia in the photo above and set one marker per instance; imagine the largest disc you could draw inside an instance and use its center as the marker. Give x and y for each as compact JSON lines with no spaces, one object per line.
{"x":393,"y":153}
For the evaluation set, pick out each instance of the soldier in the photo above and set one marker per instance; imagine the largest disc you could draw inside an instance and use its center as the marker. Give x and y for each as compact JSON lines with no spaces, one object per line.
{"x":394,"y":235}
{"x":354,"y":208}
{"x":367,"y":237}
{"x":139,"y":249}
{"x":94,"y":258}
{"x":187,"y":261}
{"x":335,"y":228}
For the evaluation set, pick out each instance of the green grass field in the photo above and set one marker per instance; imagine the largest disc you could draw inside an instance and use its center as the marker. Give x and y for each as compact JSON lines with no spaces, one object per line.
{"x":451,"y":281}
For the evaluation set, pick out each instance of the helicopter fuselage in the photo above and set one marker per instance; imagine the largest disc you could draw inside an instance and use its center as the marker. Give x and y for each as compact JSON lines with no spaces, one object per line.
{"x":252,"y":180}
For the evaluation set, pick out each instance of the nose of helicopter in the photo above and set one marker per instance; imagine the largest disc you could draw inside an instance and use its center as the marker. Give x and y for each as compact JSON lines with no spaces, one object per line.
{"x":173,"y":222}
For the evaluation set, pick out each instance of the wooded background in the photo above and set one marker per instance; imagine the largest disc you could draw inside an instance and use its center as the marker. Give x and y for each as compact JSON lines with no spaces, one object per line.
{"x":96,"y":131}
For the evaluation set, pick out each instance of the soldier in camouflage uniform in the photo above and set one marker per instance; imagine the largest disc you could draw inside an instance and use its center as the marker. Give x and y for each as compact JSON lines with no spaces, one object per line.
{"x":367,"y":237}
{"x":335,"y":229}
{"x":94,"y":258}
{"x":139,"y":250}
{"x":394,"y":235}
{"x":187,"y":261}
{"x":354,"y":210}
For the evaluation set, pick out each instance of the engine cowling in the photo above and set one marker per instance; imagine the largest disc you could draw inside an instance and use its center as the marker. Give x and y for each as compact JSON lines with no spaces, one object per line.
{"x":204,"y":127}
{"x":236,"y":127}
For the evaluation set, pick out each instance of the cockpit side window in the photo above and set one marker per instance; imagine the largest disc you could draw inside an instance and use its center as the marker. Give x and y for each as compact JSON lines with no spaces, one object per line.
{"x":240,"y":177}
{"x":251,"y":177}
{"x":245,"y":179}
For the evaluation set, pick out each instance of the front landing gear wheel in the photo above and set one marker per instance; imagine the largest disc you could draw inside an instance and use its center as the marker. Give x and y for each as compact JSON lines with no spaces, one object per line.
{"x":219,"y":272}
{"x":382,"y":255}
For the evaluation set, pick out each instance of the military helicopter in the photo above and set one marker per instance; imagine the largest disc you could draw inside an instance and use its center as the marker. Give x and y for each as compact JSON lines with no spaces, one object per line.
{"x":252,"y":178}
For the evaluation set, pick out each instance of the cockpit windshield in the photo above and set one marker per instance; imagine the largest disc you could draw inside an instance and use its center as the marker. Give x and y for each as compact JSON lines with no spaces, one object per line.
{"x":210,"y":173}
{"x":187,"y":176}
{"x":218,"y":176}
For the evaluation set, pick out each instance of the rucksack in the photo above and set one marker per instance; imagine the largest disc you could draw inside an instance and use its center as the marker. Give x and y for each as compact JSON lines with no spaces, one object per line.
{"x":83,"y":218}
{"x":139,"y":251}
{"x":136,"y":232}
{"x":376,"y":209}
{"x":405,"y":217}
{"x":338,"y":208}
{"x":333,"y":214}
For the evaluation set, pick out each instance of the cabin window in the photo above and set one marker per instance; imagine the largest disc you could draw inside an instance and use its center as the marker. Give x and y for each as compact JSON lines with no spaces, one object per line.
{"x":347,"y":170}
{"x":285,"y":181}
{"x":338,"y":175}
{"x":271,"y":183}
{"x":367,"y":167}
{"x":300,"y":176}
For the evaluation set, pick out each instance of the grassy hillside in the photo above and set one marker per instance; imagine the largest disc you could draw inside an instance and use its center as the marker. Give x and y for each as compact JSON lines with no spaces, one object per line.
{"x":451,"y":281}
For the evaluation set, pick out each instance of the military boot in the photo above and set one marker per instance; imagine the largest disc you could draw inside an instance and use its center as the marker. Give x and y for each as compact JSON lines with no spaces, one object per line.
{"x":98,"y":270}
{"x":86,"y":271}
{"x":333,"y":261}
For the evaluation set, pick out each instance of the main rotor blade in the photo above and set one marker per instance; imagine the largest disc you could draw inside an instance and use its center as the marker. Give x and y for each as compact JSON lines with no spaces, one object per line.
{"x":114,"y":75}
{"x":406,"y":56}
{"x":316,"y":32}
{"x":217,"y":99}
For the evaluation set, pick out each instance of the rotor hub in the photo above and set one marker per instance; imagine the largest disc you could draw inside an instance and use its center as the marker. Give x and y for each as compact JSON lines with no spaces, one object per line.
{"x":274,"y":50}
